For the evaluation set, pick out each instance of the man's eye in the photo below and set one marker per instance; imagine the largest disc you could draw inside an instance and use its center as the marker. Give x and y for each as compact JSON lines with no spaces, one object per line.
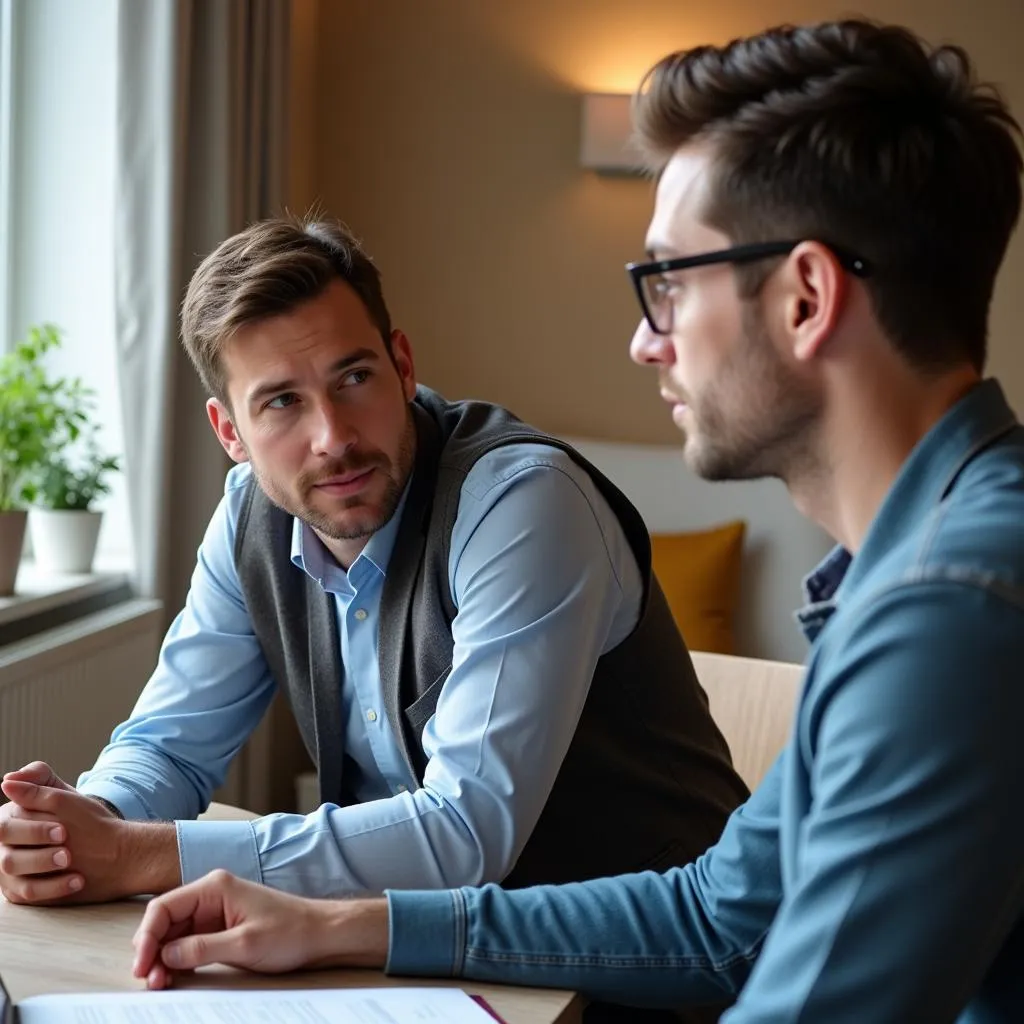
{"x":283,"y":401}
{"x":355,"y":377}
{"x":665,"y":287}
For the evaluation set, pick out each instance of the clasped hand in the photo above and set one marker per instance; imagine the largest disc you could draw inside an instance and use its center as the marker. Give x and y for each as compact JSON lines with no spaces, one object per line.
{"x":56,"y":844}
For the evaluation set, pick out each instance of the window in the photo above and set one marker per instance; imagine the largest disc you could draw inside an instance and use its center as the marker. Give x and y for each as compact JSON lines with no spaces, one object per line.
{"x":57,"y":204}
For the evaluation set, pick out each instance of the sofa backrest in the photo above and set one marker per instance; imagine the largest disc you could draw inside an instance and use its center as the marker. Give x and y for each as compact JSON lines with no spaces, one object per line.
{"x":781,"y":547}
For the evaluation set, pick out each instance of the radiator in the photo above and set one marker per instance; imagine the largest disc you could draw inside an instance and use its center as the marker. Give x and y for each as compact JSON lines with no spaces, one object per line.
{"x":63,"y":690}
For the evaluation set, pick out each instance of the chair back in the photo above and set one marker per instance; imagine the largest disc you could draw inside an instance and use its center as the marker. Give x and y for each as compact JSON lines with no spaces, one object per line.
{"x":753,"y":703}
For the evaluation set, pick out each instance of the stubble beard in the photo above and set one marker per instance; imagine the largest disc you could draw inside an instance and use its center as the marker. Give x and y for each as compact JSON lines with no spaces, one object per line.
{"x":396,"y":472}
{"x":756,"y":419}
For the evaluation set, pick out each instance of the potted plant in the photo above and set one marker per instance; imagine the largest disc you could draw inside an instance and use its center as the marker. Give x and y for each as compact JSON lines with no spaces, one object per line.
{"x":63,"y":525}
{"x":64,"y":484}
{"x":33,"y":412}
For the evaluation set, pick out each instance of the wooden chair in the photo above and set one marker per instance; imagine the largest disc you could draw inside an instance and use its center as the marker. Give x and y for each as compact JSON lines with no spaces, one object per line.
{"x":753,"y":703}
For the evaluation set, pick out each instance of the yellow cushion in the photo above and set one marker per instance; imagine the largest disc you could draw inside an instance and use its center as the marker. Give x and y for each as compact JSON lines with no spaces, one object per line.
{"x":700,"y":574}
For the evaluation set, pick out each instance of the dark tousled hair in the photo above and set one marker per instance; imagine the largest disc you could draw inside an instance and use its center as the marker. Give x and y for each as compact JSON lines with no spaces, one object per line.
{"x":861,"y":135}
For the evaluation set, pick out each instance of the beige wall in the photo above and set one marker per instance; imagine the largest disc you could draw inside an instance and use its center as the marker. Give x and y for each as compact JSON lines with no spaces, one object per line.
{"x":445,"y":132}
{"x":303,"y":169}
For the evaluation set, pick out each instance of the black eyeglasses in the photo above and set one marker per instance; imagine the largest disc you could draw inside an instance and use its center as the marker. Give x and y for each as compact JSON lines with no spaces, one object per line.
{"x":654,"y":290}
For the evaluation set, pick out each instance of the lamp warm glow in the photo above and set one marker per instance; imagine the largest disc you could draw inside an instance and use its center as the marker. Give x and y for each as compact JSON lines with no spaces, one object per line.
{"x":606,"y":132}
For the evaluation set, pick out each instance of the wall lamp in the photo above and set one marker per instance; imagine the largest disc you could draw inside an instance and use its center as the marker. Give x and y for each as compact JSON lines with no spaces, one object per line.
{"x":605,"y":135}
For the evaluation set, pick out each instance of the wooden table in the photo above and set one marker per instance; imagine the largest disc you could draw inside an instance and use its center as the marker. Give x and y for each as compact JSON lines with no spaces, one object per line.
{"x":88,"y":949}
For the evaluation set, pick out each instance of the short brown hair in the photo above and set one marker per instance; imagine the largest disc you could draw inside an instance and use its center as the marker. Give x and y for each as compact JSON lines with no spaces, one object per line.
{"x":270,"y":268}
{"x":861,"y":135}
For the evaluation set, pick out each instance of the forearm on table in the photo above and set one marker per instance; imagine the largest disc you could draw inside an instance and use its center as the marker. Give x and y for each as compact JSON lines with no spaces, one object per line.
{"x":689,"y":935}
{"x":417,"y":841}
{"x":627,"y":939}
{"x":349,"y":933}
{"x":148,"y":852}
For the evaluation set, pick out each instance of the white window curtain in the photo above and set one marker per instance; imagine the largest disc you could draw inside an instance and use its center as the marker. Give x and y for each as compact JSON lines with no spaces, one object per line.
{"x":201,"y":148}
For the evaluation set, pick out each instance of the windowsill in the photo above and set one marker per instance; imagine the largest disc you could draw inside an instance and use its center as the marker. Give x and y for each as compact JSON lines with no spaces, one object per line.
{"x":43,"y":600}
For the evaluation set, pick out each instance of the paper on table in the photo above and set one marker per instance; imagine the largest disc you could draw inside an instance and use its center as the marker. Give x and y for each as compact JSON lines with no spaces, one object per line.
{"x":267,"y":1006}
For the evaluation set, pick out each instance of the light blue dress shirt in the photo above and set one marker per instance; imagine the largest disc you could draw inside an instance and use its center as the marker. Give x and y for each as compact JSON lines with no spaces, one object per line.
{"x":876,"y":876}
{"x":544,"y":582}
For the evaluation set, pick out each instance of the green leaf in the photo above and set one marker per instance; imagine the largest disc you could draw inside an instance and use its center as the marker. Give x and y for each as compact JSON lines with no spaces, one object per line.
{"x":48,"y":449}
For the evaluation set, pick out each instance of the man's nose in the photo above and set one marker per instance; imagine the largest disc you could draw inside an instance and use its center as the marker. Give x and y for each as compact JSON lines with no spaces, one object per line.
{"x":650,"y":349}
{"x":334,"y":433}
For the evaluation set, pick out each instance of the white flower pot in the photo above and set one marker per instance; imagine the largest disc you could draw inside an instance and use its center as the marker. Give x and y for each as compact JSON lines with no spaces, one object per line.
{"x":63,"y":541}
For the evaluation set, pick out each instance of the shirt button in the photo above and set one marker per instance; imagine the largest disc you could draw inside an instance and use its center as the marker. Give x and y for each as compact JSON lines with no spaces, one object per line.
{"x":371,"y":715}
{"x":361,"y":614}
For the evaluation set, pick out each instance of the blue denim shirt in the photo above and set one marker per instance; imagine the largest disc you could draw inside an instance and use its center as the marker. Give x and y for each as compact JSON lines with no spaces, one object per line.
{"x":877,"y":874}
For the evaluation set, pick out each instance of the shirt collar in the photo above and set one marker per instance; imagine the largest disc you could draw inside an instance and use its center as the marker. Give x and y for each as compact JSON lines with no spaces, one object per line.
{"x":309,"y":554}
{"x":925,"y":479}
{"x":820,"y":588}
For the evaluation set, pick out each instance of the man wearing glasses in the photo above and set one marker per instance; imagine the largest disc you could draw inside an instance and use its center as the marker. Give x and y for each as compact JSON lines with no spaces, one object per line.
{"x":833,"y":205}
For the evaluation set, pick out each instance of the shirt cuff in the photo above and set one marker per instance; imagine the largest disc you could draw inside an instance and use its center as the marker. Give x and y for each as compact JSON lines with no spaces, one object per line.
{"x":426,"y":932}
{"x":204,"y":846}
{"x":128,"y":804}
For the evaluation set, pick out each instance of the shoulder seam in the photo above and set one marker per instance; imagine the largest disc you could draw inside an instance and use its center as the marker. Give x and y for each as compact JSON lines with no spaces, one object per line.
{"x":541,"y":464}
{"x":965,"y":576}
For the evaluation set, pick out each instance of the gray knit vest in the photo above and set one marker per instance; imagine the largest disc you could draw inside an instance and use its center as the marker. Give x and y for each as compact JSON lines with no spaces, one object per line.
{"x":647,"y":780}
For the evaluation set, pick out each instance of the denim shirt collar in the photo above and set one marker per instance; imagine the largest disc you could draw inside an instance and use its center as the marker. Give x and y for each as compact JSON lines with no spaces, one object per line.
{"x":925,"y":479}
{"x":309,"y":554}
